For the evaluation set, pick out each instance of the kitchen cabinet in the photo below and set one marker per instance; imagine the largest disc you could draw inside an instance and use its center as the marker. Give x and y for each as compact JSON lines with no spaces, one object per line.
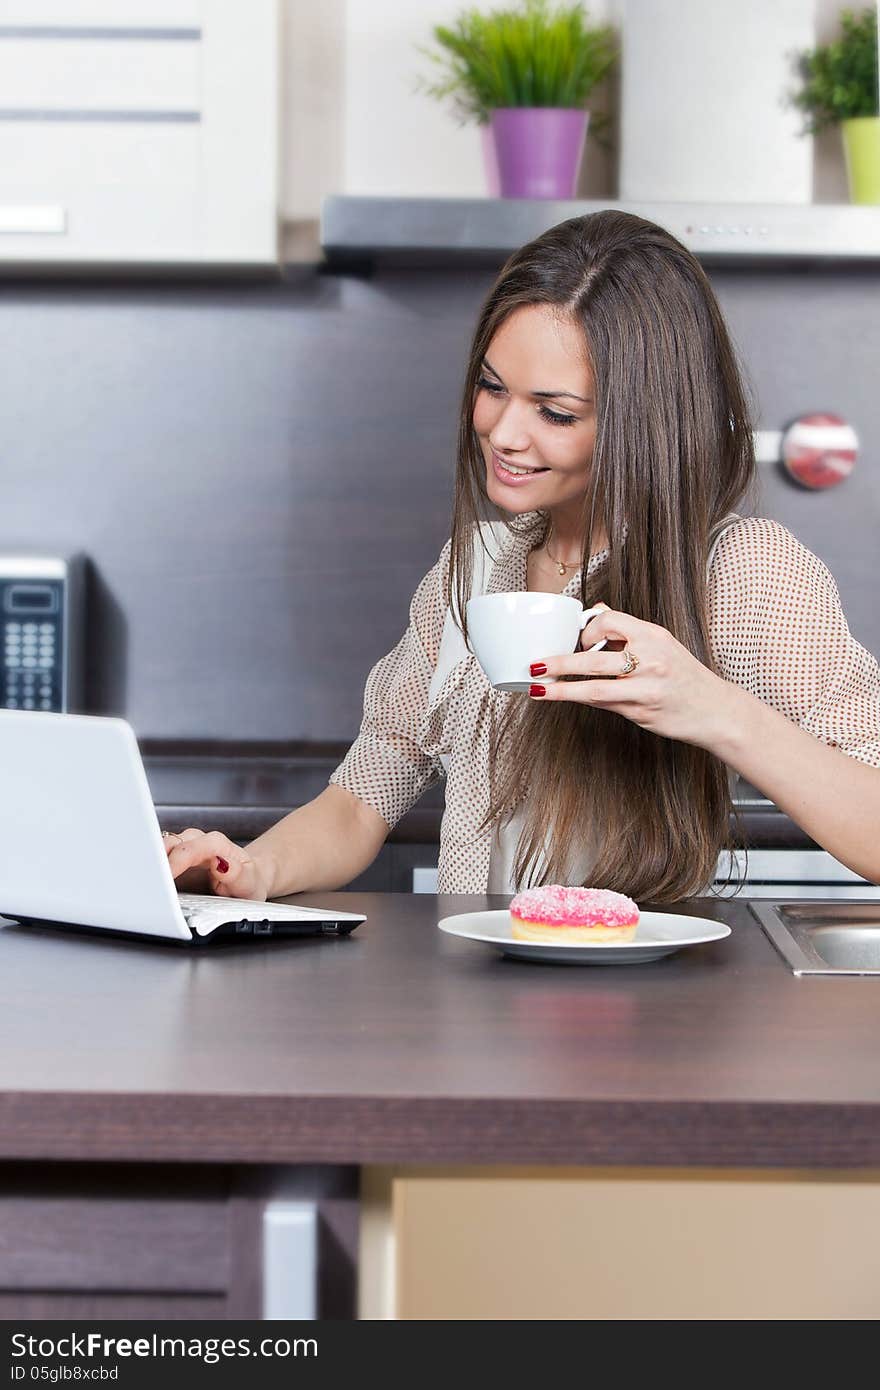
{"x":698,"y":1137}
{"x":624,"y":1244}
{"x":242,"y":792}
{"x":138,"y":134}
{"x":107,"y":1240}
{"x":112,"y":1242}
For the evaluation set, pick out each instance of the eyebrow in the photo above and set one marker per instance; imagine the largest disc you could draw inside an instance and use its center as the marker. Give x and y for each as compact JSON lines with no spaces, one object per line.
{"x":544,"y":395}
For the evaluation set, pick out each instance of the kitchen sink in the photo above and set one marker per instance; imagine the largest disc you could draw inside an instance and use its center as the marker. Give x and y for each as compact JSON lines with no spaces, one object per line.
{"x":840,"y":938}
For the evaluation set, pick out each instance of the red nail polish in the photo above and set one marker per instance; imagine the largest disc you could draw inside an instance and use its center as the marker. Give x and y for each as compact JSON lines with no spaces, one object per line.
{"x":537,"y":668}
{"x":222,"y":866}
{"x":537,"y":690}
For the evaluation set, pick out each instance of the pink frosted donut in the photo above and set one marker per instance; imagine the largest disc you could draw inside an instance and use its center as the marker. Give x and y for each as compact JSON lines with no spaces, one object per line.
{"x":558,"y":914}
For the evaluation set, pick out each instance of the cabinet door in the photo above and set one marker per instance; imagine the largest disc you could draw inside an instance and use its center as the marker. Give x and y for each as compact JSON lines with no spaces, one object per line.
{"x":138,"y":132}
{"x":156,"y":1241}
{"x":625,"y":1244}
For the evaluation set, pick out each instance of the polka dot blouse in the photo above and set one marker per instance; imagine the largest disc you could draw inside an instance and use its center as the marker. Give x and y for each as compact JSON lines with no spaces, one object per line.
{"x":776,"y":628}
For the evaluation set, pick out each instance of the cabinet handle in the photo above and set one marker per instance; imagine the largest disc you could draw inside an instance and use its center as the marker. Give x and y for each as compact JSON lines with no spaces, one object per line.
{"x":424,"y":880}
{"x":42,"y":219}
{"x":290,"y":1261}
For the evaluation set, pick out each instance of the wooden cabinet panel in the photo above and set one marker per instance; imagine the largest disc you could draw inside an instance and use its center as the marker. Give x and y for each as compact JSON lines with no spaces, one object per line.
{"x":164,"y":13}
{"x":629,"y":1244}
{"x":105,"y":1242}
{"x":118,"y":1241}
{"x":392,"y":869}
{"x":97,"y":74}
{"x":167,"y":1241}
{"x":107,"y":1306}
{"x":133,"y":135}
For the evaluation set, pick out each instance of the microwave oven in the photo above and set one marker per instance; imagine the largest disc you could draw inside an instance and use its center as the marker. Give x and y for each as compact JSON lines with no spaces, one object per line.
{"x":42,"y":643}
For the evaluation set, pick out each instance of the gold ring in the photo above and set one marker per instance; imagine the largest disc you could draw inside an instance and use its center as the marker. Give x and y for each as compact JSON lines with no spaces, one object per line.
{"x":630,"y":662}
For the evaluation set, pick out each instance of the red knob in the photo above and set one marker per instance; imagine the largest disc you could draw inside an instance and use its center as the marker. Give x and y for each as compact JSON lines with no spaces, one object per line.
{"x":820,"y":450}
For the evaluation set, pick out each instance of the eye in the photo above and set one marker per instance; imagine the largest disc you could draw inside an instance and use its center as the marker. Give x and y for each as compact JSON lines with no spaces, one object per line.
{"x":555,"y":418}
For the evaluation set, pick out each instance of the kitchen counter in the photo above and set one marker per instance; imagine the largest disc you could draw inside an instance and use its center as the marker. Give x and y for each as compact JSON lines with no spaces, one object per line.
{"x":402,"y":1045}
{"x":243,"y":789}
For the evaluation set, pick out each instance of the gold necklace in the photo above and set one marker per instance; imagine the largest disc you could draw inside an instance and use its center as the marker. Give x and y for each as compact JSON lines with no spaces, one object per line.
{"x":560,"y":564}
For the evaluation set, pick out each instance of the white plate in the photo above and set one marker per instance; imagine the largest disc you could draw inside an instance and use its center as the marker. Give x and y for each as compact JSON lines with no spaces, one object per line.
{"x":658,"y":934}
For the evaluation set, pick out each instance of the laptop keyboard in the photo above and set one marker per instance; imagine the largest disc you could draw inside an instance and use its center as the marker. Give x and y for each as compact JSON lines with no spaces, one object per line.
{"x":236,"y":907}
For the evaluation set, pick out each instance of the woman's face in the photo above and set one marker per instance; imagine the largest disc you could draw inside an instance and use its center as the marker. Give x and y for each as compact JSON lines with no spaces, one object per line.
{"x":535,"y":411}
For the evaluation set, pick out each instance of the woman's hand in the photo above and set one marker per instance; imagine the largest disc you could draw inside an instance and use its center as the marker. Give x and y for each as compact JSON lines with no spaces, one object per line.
{"x":668,"y":692}
{"x":207,"y":862}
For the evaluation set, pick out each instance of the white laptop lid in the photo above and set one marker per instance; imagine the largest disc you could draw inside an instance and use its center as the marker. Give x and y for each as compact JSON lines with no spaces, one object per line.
{"x":79,"y":837}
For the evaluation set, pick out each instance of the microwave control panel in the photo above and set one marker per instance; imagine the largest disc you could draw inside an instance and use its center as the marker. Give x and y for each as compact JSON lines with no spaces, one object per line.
{"x":39,"y":661}
{"x":33,"y":639}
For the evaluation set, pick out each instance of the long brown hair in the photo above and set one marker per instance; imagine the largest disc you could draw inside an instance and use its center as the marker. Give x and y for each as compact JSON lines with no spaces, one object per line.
{"x":673,"y":454}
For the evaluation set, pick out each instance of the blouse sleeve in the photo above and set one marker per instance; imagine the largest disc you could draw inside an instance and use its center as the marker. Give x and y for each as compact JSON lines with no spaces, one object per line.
{"x":385,"y":766}
{"x":779,"y":631}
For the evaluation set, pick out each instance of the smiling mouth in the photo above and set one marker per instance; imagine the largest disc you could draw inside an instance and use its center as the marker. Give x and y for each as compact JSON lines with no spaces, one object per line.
{"x":514,"y":469}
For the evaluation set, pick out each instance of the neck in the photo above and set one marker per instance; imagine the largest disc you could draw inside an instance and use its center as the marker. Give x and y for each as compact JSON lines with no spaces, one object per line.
{"x":566,"y":539}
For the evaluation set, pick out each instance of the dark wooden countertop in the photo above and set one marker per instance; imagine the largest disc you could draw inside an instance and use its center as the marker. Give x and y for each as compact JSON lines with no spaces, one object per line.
{"x":400,"y":1044}
{"x":243,"y":789}
{"x":246,"y":790}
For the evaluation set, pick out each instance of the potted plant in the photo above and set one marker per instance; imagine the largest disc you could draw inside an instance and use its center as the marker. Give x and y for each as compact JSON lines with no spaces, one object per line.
{"x":524,"y":74}
{"x":839,"y":87}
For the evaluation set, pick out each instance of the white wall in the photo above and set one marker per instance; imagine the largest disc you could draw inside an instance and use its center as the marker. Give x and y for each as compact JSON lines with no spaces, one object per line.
{"x":353,"y":122}
{"x":313,"y":96}
{"x":701,"y":115}
{"x":829,"y":170}
{"x":398,"y":140}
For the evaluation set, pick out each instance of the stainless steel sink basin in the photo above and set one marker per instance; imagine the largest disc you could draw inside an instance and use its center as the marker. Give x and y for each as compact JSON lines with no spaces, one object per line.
{"x":824,"y":938}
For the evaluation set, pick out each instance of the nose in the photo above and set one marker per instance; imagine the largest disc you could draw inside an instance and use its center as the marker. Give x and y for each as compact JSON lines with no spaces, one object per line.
{"x":509,"y":434}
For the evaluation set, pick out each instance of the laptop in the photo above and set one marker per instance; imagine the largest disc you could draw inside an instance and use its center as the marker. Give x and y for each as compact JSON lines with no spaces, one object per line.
{"x":81,"y":848}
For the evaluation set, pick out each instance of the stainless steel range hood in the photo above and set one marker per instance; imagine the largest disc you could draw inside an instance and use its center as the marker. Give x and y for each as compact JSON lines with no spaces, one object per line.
{"x":474,"y":228}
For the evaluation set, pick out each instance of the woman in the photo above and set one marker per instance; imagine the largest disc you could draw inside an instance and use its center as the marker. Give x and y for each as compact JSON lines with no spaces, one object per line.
{"x":604,"y":425}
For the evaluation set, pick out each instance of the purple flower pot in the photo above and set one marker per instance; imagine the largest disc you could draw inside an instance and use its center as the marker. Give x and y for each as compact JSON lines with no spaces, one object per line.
{"x":538,"y":150}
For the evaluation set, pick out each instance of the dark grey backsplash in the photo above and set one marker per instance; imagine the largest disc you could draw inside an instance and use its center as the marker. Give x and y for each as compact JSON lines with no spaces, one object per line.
{"x":260,"y":474}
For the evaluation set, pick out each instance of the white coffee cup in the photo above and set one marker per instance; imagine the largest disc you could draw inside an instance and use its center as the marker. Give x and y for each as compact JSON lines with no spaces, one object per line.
{"x":508,"y":632}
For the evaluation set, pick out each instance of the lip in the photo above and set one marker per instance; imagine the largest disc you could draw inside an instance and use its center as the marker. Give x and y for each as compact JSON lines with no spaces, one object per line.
{"x":509,"y":479}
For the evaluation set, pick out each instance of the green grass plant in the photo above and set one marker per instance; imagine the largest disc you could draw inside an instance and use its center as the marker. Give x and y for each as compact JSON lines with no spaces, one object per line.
{"x":839,"y":80}
{"x":529,"y":55}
